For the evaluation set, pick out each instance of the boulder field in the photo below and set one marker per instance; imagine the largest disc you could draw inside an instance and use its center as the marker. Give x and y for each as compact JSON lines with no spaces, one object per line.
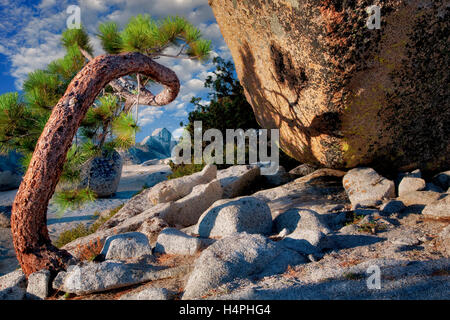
{"x":314,"y":237}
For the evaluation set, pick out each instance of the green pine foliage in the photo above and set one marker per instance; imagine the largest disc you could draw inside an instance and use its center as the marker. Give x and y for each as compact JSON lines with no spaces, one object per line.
{"x":41,"y":90}
{"x":72,"y":199}
{"x":141,"y":34}
{"x":181,"y":170}
{"x":152,"y":37}
{"x":20,"y":125}
{"x":77,"y":38}
{"x":23,"y":117}
{"x":227,"y":109}
{"x":124,"y":129}
{"x":110,"y":37}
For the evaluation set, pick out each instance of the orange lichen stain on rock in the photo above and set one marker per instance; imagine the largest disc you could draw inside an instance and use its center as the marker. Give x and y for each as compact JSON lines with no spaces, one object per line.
{"x":90,"y":250}
{"x":332,"y":17}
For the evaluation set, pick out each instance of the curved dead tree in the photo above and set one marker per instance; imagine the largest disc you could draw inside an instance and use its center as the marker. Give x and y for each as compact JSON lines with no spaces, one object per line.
{"x":28,"y":220}
{"x":120,"y":87}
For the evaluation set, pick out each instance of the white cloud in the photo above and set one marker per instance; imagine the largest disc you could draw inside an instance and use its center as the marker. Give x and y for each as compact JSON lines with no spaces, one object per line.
{"x":174,"y":106}
{"x":97,"y":46}
{"x":24,"y":28}
{"x":177,"y":133}
{"x":196,"y":11}
{"x":205,"y":74}
{"x":204,"y":102}
{"x":96,"y":5}
{"x":225,"y":52}
{"x":31,"y":59}
{"x":181,"y":113}
{"x":188,"y":97}
{"x":195,"y":85}
{"x":149,"y":114}
{"x":211,"y":31}
{"x":30,"y":39}
{"x":47,"y":3}
{"x":3,"y":49}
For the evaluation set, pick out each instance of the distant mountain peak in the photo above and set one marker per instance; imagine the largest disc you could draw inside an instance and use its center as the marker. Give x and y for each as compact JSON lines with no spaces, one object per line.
{"x":160,"y":131}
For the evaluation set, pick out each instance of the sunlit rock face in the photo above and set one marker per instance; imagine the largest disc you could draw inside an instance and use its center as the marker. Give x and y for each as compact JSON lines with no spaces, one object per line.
{"x":342,"y":94}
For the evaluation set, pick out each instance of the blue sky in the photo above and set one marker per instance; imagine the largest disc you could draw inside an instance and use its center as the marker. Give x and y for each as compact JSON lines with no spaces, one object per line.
{"x":30,"y":32}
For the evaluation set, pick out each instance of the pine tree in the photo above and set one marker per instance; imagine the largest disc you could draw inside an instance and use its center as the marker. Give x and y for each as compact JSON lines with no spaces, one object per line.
{"x":79,"y":106}
{"x":227,"y":108}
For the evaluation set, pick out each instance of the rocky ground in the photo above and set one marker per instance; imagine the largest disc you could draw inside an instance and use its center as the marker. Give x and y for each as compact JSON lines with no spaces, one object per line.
{"x":234,"y":234}
{"x":133,"y":179}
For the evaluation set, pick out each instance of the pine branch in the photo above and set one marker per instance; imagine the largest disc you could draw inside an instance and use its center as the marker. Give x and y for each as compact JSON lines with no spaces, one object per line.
{"x":177,"y":56}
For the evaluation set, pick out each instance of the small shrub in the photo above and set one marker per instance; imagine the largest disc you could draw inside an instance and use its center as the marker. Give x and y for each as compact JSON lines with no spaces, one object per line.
{"x":70,"y":235}
{"x":371,"y":227}
{"x":352,"y":218}
{"x":73,"y":199}
{"x":82,"y":230}
{"x":353,"y":276}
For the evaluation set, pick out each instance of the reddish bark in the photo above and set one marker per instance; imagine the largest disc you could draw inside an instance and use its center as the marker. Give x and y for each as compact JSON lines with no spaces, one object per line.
{"x":29,"y":221}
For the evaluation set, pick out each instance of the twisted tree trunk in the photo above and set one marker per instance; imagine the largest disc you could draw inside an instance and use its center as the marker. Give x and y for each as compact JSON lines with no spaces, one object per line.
{"x":29,"y":221}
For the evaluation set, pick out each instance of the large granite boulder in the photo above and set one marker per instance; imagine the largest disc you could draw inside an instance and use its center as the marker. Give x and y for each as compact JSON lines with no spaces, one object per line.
{"x":38,"y":287}
{"x":174,"y":241}
{"x":364,"y":186}
{"x":305,"y":232}
{"x":104,"y":174}
{"x":228,"y":216}
{"x":92,"y":277}
{"x":235,"y":180}
{"x":176,"y":189}
{"x":343,"y":94}
{"x":149,"y":294}
{"x":186,"y":211}
{"x":13,"y":286}
{"x":439,"y":208}
{"x":238,"y":256}
{"x":101,"y":174}
{"x":129,"y":245}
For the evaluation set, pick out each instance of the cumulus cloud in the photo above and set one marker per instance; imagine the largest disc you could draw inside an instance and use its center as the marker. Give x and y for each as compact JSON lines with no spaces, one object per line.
{"x":181,"y":113}
{"x":174,"y":106}
{"x":149,"y":114}
{"x":177,"y":133}
{"x":30,"y":38}
{"x":46,"y":4}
